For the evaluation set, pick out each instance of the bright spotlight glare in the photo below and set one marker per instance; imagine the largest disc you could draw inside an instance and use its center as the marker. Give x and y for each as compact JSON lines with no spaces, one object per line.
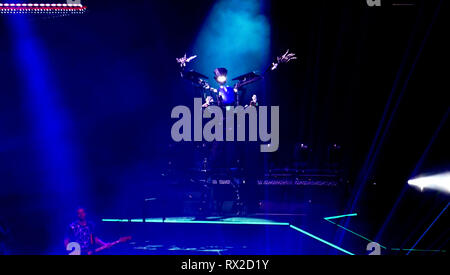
{"x":440,"y":182}
{"x":220,"y":74}
{"x":222,"y":79}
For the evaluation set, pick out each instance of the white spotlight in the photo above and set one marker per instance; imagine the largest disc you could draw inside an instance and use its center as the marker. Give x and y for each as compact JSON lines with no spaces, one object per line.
{"x":220,"y":74}
{"x":439,"y":182}
{"x":222,"y":79}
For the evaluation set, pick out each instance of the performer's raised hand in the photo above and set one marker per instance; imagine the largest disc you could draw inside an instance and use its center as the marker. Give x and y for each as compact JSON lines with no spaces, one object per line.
{"x":183,"y":60}
{"x":285,"y":58}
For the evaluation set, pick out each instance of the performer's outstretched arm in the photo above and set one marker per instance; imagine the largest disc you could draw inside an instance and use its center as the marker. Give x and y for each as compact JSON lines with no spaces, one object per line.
{"x":285,"y":58}
{"x":184,"y":60}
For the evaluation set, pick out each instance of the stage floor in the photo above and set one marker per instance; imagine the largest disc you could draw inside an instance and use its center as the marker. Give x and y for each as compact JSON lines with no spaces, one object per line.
{"x":254,"y":235}
{"x":259,"y":234}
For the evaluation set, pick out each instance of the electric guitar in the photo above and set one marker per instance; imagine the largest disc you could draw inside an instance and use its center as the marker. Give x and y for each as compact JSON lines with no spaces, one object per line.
{"x":121,"y":240}
{"x":75,"y":248}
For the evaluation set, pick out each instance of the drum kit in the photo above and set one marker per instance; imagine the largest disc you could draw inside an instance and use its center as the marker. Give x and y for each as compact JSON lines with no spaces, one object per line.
{"x":224,"y":96}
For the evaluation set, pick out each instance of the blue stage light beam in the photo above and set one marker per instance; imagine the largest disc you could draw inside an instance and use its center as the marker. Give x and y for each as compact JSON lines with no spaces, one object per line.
{"x":386,"y":122}
{"x":428,"y":229}
{"x":414,"y":173}
{"x":236,"y":36}
{"x":51,"y":125}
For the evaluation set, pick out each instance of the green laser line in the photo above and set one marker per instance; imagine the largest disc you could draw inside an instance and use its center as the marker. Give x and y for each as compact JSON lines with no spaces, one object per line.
{"x":341,"y":216}
{"x":355,"y":233}
{"x":393,"y":249}
{"x":321,"y":240}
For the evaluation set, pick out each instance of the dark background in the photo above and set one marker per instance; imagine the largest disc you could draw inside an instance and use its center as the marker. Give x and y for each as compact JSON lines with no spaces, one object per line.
{"x":112,"y":76}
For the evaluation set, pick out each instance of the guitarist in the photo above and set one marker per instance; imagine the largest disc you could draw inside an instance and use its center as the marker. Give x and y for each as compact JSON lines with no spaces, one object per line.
{"x":83,"y":232}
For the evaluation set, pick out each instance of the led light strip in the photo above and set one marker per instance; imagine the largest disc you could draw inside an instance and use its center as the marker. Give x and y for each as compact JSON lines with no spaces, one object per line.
{"x":183,"y":221}
{"x":341,"y":216}
{"x":30,"y":8}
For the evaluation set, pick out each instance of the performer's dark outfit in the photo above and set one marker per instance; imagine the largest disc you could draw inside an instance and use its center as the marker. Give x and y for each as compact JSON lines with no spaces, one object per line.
{"x":82,"y":234}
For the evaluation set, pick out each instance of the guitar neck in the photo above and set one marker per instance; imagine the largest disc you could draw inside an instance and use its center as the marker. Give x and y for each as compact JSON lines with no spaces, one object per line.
{"x":121,"y":240}
{"x":105,"y":247}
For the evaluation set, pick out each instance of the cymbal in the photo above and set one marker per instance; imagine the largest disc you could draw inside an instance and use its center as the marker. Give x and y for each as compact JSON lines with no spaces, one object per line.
{"x":247,"y":77}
